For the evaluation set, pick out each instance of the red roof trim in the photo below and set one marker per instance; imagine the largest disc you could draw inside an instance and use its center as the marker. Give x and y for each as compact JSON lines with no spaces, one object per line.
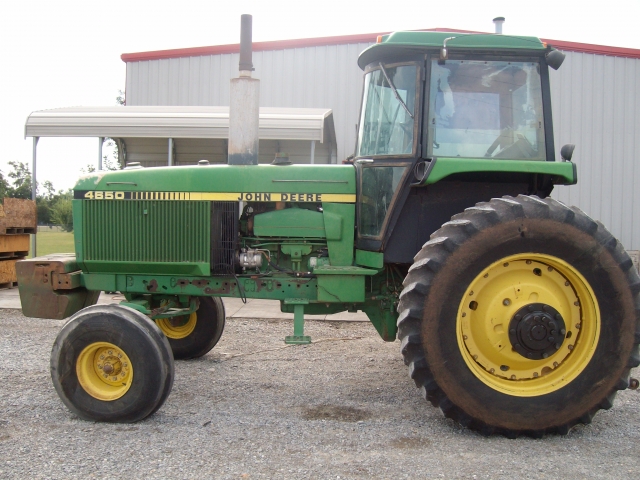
{"x":346,"y":39}
{"x":597,"y":49}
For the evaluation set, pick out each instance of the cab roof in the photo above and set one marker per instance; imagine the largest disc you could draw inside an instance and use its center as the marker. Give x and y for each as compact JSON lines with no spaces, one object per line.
{"x":406,"y":42}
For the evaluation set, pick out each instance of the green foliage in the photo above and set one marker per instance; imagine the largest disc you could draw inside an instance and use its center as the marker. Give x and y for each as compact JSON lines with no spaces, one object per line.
{"x":62,"y":212}
{"x":20,"y":176}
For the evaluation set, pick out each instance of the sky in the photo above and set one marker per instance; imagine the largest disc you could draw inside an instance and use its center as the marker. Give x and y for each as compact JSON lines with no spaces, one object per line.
{"x":67,"y":52}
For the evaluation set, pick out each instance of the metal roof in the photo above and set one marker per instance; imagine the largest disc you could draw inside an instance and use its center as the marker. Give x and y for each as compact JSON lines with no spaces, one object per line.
{"x":177,"y":122}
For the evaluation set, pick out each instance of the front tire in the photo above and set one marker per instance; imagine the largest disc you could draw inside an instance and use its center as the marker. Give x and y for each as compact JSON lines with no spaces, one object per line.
{"x":192,"y":336}
{"x":111,"y":364}
{"x":519,"y":317}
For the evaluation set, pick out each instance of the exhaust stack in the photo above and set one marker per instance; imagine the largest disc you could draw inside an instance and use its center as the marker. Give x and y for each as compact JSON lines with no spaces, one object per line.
{"x":498,"y":21}
{"x":244,"y":111}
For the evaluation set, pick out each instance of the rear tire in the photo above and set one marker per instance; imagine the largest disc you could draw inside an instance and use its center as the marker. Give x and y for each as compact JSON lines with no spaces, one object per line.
{"x":489,"y":324}
{"x":195,"y":335}
{"x":110,"y":363}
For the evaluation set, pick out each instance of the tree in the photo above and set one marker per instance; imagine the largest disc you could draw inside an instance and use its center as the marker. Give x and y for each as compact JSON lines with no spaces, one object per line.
{"x":62,"y":212}
{"x":4,"y":186}
{"x":21,"y":181}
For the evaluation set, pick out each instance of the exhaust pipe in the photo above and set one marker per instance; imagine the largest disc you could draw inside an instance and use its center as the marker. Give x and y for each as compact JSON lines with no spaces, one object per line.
{"x":244,"y":105}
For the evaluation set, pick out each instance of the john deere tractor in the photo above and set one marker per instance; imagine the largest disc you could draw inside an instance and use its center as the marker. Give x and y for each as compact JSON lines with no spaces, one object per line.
{"x":515,"y":313}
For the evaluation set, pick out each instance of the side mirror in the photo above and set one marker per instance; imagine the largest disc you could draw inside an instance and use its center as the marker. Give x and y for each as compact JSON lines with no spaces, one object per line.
{"x":566,"y":152}
{"x":555,"y":58}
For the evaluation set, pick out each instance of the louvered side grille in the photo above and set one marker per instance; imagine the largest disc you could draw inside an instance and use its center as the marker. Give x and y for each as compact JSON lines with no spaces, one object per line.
{"x":224,"y":234}
{"x":146,"y":231}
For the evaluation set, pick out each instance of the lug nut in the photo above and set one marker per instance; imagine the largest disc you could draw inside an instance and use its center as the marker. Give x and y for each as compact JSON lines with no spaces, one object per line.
{"x":634,"y":383}
{"x":570,"y":347}
{"x":506,"y":302}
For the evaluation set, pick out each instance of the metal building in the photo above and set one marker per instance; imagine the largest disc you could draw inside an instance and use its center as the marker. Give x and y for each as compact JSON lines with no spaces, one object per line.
{"x":595,"y":95}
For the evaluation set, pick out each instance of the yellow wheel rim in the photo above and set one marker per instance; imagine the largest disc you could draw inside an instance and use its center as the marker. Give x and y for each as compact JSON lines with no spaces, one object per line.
{"x":104,"y":371}
{"x":178,"y":327}
{"x":510,"y":323}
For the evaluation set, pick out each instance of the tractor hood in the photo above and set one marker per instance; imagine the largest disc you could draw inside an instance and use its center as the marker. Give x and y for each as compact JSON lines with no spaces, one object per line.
{"x":234,"y":182}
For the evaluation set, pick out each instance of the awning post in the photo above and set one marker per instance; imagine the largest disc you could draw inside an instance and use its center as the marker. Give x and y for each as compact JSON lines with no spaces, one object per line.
{"x":170,"y":155}
{"x":33,"y":192}
{"x":313,"y":151}
{"x":100,"y":142}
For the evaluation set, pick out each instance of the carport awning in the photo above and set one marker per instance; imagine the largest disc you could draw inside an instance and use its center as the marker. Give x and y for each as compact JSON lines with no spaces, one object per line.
{"x":177,"y":122}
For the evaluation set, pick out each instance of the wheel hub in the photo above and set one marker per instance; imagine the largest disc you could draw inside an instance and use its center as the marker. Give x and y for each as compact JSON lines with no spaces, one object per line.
{"x":104,"y":371}
{"x":536,"y":331}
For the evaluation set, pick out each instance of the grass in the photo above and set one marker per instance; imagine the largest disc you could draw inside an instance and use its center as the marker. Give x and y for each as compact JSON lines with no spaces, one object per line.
{"x":54,"y":242}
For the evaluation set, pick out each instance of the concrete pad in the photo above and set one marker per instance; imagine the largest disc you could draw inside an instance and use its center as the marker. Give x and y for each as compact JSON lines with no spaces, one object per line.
{"x":348,"y":317}
{"x":232,"y":305}
{"x":254,"y":308}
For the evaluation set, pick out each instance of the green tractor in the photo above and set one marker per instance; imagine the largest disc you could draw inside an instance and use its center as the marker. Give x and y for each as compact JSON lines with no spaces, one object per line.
{"x":516,"y":314}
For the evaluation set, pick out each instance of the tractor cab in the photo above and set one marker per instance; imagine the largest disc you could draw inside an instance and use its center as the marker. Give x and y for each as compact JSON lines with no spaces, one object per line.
{"x":456,"y":99}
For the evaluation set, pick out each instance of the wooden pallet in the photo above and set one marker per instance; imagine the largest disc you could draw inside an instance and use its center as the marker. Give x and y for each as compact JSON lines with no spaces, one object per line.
{"x":8,"y":271}
{"x":18,"y":216}
{"x":14,"y":246}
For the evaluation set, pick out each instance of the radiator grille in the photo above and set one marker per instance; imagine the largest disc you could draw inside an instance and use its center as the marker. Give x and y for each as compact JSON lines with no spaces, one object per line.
{"x":146,"y":231}
{"x":224,"y":236}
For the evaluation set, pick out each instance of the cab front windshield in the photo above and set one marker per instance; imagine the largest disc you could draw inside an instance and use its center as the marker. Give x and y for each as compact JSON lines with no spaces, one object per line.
{"x":387,"y":121}
{"x":486,"y":109}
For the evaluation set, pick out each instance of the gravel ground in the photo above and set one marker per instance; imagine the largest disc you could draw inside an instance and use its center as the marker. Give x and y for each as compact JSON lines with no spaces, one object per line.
{"x":341,"y":408}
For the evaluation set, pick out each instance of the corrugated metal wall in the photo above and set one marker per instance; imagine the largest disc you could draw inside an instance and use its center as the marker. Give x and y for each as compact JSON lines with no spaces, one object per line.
{"x":596,"y":104}
{"x":311,"y":77}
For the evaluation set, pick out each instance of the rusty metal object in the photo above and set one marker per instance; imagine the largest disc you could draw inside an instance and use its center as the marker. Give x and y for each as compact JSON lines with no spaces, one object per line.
{"x":51,"y":287}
